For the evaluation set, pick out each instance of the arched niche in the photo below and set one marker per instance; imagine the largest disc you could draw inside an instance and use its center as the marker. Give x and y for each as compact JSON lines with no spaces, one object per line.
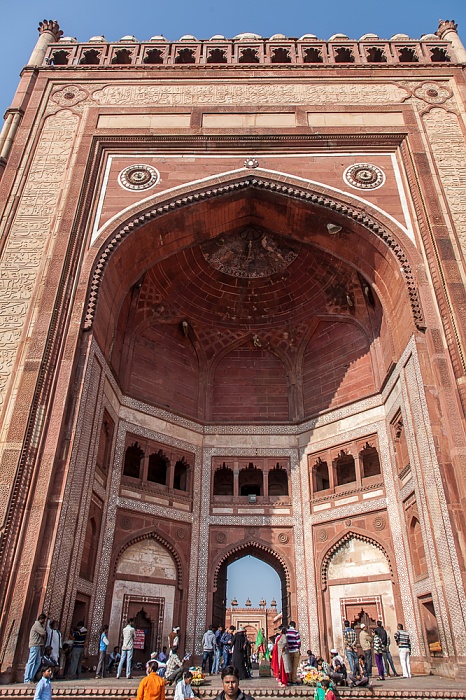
{"x":360,"y":288}
{"x":223,"y":482}
{"x":359,"y":586}
{"x":416,"y":545}
{"x":251,"y":481}
{"x":277,"y":481}
{"x":149,"y":558}
{"x":145,"y":581}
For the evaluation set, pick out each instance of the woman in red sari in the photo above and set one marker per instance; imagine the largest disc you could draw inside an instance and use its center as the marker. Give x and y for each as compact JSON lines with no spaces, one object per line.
{"x":281,"y":667}
{"x":274,"y":659}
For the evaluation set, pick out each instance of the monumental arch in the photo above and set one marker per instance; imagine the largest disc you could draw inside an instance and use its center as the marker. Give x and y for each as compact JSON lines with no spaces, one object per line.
{"x":232,"y":319}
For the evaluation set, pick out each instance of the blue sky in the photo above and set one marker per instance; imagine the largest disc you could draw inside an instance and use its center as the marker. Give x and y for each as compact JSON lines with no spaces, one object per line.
{"x":293,"y":18}
{"x":243,"y":580}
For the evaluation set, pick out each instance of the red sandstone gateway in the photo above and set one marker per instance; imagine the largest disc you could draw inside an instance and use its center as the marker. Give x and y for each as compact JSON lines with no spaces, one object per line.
{"x":232,"y":320}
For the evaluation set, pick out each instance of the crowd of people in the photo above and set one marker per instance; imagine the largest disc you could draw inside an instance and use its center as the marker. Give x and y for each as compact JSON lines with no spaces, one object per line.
{"x":286,"y":656}
{"x":222,"y":648}
{"x":228,"y":652}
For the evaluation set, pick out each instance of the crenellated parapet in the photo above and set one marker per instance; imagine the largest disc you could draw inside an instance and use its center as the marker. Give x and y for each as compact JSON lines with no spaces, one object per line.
{"x":249,"y":49}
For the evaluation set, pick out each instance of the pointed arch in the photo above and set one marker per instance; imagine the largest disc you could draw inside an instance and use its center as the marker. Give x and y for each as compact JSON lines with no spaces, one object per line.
{"x":341,"y":206}
{"x":152,"y":535}
{"x":336,"y":546}
{"x":253,"y":548}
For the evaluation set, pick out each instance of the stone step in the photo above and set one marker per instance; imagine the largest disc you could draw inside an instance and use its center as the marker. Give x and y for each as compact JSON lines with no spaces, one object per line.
{"x":110,"y":692}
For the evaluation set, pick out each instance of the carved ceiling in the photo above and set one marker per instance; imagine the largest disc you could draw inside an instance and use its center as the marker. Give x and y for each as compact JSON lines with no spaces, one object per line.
{"x":247,"y":280}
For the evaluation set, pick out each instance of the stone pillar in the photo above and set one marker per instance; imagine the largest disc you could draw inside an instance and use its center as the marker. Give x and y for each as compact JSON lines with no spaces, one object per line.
{"x":447,"y":32}
{"x":49,"y":32}
{"x":6,"y":128}
{"x":145,"y":467}
{"x":331,"y":473}
{"x":8,"y":133}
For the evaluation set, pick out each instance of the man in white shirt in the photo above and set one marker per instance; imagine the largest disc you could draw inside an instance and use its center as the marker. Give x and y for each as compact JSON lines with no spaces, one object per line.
{"x":183,"y":688}
{"x":129,"y":634}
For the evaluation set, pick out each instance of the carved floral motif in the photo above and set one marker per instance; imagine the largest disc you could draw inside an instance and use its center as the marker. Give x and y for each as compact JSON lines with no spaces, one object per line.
{"x":68,"y":96}
{"x":433,"y":93}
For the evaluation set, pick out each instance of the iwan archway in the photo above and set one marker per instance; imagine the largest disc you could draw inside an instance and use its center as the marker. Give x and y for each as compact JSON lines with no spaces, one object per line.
{"x":239,"y":317}
{"x":265,"y":554}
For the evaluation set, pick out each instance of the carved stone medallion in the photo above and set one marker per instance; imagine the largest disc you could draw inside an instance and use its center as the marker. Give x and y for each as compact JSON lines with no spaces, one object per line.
{"x":252,"y":253}
{"x":138,"y":177}
{"x":364,"y":176}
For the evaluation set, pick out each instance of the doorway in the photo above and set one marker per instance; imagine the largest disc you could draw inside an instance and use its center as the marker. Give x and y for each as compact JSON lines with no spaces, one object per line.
{"x":258,"y":556}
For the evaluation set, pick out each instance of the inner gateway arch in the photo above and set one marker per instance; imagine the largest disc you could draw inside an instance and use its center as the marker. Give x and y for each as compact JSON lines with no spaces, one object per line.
{"x":244,"y":342}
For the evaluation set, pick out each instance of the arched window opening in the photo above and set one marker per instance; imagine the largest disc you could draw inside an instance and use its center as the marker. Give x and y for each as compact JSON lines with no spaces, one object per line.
{"x":122,"y":57}
{"x":158,"y":468}
{"x":251,"y":481}
{"x":345,"y":469}
{"x":105,"y":444}
{"x":60,"y":58}
{"x":418,"y":552}
{"x":407,"y":55}
{"x":217,"y":56}
{"x":153,"y":56}
{"x":321,"y":480}
{"x":90,"y":58}
{"x":343,"y":55}
{"x":133,"y":458}
{"x":185,"y":56}
{"x":439,"y":55}
{"x":223,"y":481}
{"x":376,"y":55}
{"x":180,"y":477}
{"x":312,"y":55}
{"x":88,"y":559}
{"x":278,"y":481}
{"x":370,"y":461}
{"x":280,"y":55}
{"x":248,"y":56}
